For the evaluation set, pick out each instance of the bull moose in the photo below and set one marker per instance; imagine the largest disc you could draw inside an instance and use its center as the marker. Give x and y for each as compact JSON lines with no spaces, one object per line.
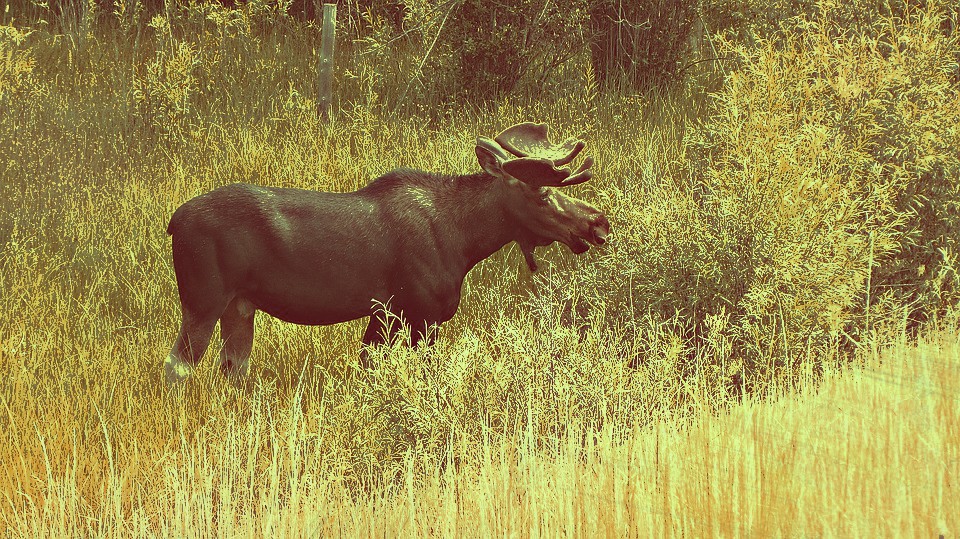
{"x":406,"y":240}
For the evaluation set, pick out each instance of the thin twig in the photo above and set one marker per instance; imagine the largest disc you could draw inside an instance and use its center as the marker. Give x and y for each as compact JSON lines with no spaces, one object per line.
{"x":706,"y":32}
{"x":412,"y":29}
{"x":691,"y":64}
{"x":425,"y":56}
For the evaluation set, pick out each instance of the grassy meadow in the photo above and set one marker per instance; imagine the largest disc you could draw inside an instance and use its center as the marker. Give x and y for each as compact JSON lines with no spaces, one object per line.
{"x":767,"y":346}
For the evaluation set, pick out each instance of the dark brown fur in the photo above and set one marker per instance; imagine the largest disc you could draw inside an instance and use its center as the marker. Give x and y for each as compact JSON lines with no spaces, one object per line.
{"x":407,"y":240}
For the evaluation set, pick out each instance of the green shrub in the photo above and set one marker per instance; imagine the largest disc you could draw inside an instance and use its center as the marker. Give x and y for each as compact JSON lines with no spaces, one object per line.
{"x":17,"y":79}
{"x":748,"y":21}
{"x":532,"y":375}
{"x":164,"y":93}
{"x":493,"y":46}
{"x":817,"y":199}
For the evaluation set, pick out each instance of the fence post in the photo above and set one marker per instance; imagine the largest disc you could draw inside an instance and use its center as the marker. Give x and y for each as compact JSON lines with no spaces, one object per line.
{"x":328,"y":30}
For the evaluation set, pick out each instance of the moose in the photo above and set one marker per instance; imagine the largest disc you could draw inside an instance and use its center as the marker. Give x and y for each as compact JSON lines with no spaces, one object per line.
{"x":406,"y":240}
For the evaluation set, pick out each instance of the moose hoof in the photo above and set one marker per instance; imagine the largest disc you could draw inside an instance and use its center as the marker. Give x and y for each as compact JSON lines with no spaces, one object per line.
{"x":176,"y":370}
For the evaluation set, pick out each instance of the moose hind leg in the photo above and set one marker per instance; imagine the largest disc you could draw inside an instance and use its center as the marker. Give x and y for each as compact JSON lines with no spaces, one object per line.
{"x":236,"y":330}
{"x":191,"y":343}
{"x":203,"y":295}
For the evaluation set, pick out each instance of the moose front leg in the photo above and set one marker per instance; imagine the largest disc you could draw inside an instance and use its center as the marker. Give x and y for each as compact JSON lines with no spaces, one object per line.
{"x":191,"y":343}
{"x":236,"y":331}
{"x":423,"y":331}
{"x":384,"y":328}
{"x":381,"y":329}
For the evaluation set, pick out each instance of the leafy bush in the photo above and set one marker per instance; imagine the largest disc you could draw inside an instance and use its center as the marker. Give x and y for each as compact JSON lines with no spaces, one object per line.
{"x":164,"y":94}
{"x":497,"y":46}
{"x":747,"y":21}
{"x":535,"y":376}
{"x":818,"y":198}
{"x":209,"y":61}
{"x":17,"y":79}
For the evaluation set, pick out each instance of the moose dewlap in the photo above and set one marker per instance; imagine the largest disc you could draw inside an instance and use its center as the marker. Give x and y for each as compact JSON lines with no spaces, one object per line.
{"x":406,"y":240}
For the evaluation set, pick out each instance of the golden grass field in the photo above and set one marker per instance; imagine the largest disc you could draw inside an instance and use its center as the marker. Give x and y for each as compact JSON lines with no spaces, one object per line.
{"x":871,"y":452}
{"x":739,"y":360}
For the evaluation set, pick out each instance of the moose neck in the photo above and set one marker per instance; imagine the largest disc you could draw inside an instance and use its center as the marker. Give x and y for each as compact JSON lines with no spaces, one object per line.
{"x":478,"y":212}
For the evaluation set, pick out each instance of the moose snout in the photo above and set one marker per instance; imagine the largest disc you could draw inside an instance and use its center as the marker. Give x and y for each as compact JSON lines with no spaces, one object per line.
{"x":600,"y":230}
{"x":595,"y":234}
{"x":599,"y":237}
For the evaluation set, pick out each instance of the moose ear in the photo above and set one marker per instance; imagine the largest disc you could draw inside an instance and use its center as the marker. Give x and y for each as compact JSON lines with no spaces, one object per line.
{"x":491,"y":157}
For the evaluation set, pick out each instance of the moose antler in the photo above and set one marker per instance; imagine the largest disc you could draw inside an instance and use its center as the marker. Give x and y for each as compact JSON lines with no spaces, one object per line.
{"x":537,"y":158}
{"x":530,"y":140}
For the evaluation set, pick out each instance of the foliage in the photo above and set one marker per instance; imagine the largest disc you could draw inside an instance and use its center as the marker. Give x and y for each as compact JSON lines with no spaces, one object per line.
{"x":17,"y":79}
{"x":817,"y":199}
{"x":747,"y":21}
{"x":493,"y":46}
{"x":457,"y":52}
{"x":164,"y":95}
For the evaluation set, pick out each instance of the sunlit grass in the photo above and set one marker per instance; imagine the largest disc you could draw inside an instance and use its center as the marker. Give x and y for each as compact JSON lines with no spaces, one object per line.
{"x":871,"y":452}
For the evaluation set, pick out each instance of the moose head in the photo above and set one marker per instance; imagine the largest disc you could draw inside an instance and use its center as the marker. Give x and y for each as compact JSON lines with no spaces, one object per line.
{"x":531,"y":170}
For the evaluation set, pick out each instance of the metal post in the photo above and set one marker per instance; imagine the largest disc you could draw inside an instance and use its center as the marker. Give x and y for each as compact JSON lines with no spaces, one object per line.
{"x":328,"y":30}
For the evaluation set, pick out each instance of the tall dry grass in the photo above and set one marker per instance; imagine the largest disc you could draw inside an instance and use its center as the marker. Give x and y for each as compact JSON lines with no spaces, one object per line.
{"x":871,"y":452}
{"x":543,"y":395}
